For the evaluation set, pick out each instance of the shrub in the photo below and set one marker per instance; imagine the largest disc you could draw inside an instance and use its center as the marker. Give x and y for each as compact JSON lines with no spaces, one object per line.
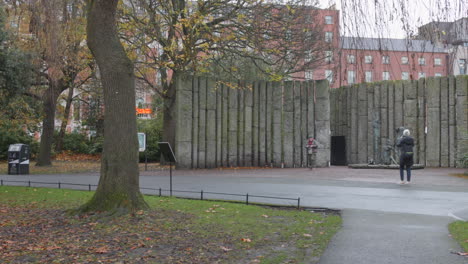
{"x":13,"y":136}
{"x":75,"y":142}
{"x":153,"y":129}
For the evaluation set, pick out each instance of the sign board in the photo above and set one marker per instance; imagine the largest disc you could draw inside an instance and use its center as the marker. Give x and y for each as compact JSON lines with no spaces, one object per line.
{"x":141,"y":142}
{"x":166,"y":151}
{"x":144,"y":111}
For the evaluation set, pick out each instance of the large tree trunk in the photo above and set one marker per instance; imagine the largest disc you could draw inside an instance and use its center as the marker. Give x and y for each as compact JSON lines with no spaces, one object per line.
{"x":118,"y":189}
{"x":65,"y":118}
{"x":48,"y":124}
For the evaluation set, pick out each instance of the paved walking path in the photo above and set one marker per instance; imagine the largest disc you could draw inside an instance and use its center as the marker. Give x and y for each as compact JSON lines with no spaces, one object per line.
{"x":383,"y":222}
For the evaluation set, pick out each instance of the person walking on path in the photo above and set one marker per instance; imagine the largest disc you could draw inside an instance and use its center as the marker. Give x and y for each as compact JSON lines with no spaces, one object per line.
{"x":406,"y":144}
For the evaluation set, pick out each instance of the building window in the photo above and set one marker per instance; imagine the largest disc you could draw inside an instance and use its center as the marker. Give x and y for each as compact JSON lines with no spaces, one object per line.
{"x":368,"y":76}
{"x":328,"y":56}
{"x":404,"y":60}
{"x":437,"y":61}
{"x":368,"y":59}
{"x":405,"y":76}
{"x":328,"y":20}
{"x":351,"y":77}
{"x":309,"y":75}
{"x":308,"y":56}
{"x":328,"y":36}
{"x":438,"y":74}
{"x":386,"y":59}
{"x":462,"y":66}
{"x":329,"y":75}
{"x":351,"y":59}
{"x":288,"y":34}
{"x":421,"y":75}
{"x":385,"y":76}
{"x":422,"y":61}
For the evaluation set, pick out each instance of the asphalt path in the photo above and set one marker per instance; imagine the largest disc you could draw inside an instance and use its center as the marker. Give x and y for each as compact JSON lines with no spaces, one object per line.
{"x":383,"y":222}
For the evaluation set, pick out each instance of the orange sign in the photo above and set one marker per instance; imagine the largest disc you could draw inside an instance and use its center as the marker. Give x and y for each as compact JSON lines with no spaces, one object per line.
{"x":143,"y":111}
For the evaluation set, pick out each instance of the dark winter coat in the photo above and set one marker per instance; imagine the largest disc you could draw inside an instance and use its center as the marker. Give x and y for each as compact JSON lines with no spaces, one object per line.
{"x":406,"y":144}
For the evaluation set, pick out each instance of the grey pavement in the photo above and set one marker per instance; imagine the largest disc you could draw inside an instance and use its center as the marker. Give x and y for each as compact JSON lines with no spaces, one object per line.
{"x":383,"y":222}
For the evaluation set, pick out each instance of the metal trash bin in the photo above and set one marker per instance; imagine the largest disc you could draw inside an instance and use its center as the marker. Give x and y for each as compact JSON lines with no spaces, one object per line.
{"x":18,"y":159}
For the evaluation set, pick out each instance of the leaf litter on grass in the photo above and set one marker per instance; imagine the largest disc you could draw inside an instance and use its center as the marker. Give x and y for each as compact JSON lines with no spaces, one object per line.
{"x":172,"y":233}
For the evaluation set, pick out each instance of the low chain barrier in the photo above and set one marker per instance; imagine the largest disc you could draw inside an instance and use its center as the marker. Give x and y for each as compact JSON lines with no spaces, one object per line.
{"x":202,"y":195}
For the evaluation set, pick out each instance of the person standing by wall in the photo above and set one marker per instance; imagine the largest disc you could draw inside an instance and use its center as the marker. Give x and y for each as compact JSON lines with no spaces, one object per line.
{"x":406,"y":144}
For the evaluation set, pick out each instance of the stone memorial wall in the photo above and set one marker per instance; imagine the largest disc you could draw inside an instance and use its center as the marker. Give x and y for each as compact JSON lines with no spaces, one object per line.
{"x":433,"y":109}
{"x":250,"y":124}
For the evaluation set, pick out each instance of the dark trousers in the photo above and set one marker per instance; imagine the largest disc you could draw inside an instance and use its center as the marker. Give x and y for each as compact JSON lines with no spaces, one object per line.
{"x":406,"y":161}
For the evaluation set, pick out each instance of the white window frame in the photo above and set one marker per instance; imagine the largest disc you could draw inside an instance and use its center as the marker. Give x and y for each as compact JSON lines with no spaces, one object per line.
{"x":368,"y":59}
{"x":328,"y":56}
{"x":404,"y":60}
{"x":351,"y":59}
{"x":328,"y":36}
{"x":405,"y":75}
{"x":437,"y":74}
{"x":351,"y":77}
{"x":309,"y":75}
{"x":385,"y":59}
{"x":437,"y":61}
{"x":368,"y":75}
{"x":328,"y":20}
{"x":421,"y":75}
{"x":329,"y":75}
{"x":422,"y":61}
{"x":385,"y":76}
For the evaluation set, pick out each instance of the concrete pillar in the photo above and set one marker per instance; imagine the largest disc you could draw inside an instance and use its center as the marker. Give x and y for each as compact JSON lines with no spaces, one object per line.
{"x":195,"y":113}
{"x":384,"y":114}
{"x":288,"y":124}
{"x":410,"y":110}
{"x":452,"y":122}
{"x":276,"y":143}
{"x":232,"y":123}
{"x":255,"y":124}
{"x":202,"y":123}
{"x":370,"y":122}
{"x":444,"y":122}
{"x":311,"y":108}
{"x":421,"y":130}
{"x":349,"y":140}
{"x":362,"y":124}
{"x":210,"y":124}
{"x":433,"y":122}
{"x":241,"y":124}
{"x":268,"y":117}
{"x":398,"y":106}
{"x":304,"y":120}
{"x":354,"y":124}
{"x":377,"y":125}
{"x":322,"y":123}
{"x":248,"y":97}
{"x":262,"y":125}
{"x":297,"y":125}
{"x":224,"y":126}
{"x":183,"y":136}
{"x":391,"y":114}
{"x":462,"y":118}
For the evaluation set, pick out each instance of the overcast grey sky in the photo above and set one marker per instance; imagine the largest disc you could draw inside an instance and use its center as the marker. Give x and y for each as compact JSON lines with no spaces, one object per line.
{"x":393,"y":18}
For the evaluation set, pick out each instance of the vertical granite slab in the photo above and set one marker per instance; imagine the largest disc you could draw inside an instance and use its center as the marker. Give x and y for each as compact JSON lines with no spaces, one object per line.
{"x":362,"y":124}
{"x":219,"y":121}
{"x":232,"y":134}
{"x":241,"y":125}
{"x":421,"y":130}
{"x":195,"y":113}
{"x":210,"y":124}
{"x":433,"y":122}
{"x":268,"y":117}
{"x":248,"y":97}
{"x":225,"y":125}
{"x":322,"y":123}
{"x":255,"y":124}
{"x":183,"y":115}
{"x":297,"y":125}
{"x":202,"y":123}
{"x":262,"y":125}
{"x":462,"y":118}
{"x":288,"y":124}
{"x":276,"y":144}
{"x":444,"y":122}
{"x":452,"y":122}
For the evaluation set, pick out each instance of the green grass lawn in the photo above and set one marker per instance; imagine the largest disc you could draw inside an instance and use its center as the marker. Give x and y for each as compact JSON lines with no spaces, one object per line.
{"x":35,"y":228}
{"x":459,"y":231}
